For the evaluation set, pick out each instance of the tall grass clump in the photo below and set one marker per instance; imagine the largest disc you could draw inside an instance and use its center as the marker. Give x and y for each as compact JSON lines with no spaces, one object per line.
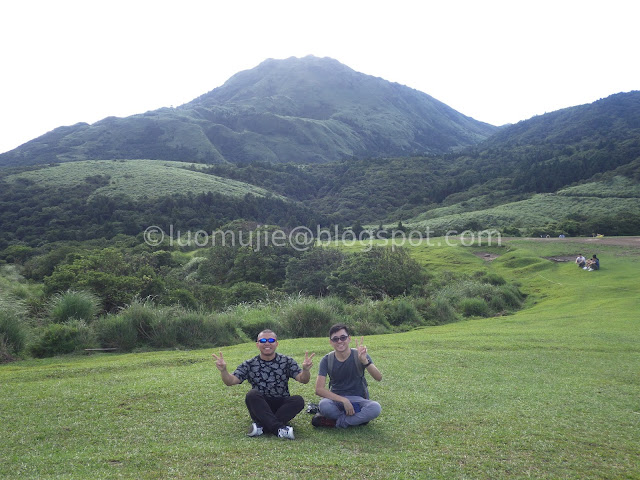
{"x":309,"y":317}
{"x":474,"y":307}
{"x":367,"y":318}
{"x":76,"y":304}
{"x":401,"y":312}
{"x":13,"y":334}
{"x":116,"y":331}
{"x":61,"y":338}
{"x":478,"y":297}
{"x":440,"y":312}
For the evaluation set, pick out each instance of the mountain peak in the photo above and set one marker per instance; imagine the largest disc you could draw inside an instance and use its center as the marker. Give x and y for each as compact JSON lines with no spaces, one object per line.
{"x":296,"y":110}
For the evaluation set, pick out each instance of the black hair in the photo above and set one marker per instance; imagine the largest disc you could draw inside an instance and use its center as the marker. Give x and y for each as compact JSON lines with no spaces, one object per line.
{"x":337,"y":327}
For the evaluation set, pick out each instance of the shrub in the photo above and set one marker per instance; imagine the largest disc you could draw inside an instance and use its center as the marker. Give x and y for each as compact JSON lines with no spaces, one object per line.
{"x":192,"y":329}
{"x":308,"y":317}
{"x":116,"y":331}
{"x":163,"y":330}
{"x":182,"y":297}
{"x":367,"y":318}
{"x":61,"y":338}
{"x":511,"y":295}
{"x":222,"y":331}
{"x":310,"y":273}
{"x":493,"y":279}
{"x":440,"y":312}
{"x":474,"y":307}
{"x":13,"y":334}
{"x":401,"y":311}
{"x":73,"y":304}
{"x":247,"y":292}
{"x":377,"y":273}
{"x":141,"y":315}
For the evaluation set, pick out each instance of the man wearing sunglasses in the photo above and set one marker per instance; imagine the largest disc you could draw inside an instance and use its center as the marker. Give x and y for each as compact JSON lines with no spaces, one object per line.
{"x":269,"y":403}
{"x":346,"y":402}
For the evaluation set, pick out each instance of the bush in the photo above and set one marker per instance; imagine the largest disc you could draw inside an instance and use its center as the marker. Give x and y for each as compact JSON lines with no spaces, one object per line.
{"x":73,"y":304}
{"x":376,"y":274}
{"x":243,"y":292}
{"x":61,"y":338}
{"x":116,"y":331}
{"x":367,"y":318}
{"x":308,"y":317}
{"x":13,"y":334}
{"x":163,"y":330}
{"x":401,"y":311}
{"x":141,"y":315}
{"x":440,"y":312}
{"x":474,"y":307}
{"x":512,"y":296}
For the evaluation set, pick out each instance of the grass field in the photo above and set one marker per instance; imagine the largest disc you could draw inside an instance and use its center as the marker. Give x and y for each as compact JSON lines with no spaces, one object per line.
{"x":550,"y":392}
{"x":134,"y":177}
{"x":594,"y":199}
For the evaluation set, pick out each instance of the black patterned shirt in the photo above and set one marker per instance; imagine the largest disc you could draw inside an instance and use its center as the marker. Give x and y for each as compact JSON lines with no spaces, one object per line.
{"x":269,"y":377}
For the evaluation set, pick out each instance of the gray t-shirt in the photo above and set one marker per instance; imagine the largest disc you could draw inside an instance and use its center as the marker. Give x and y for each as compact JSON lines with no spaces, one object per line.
{"x":345,"y":379}
{"x":269,"y":377}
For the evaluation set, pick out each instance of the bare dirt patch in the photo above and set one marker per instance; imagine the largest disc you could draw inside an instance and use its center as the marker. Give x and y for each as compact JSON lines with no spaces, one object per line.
{"x":486,"y":256}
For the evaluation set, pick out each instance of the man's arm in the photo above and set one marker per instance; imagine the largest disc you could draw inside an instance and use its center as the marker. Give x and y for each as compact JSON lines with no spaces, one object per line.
{"x":227,"y":378}
{"x":374,"y":372}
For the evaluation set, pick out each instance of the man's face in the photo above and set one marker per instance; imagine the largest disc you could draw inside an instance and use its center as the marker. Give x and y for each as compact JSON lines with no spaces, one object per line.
{"x":340,"y":340}
{"x":267,"y":344}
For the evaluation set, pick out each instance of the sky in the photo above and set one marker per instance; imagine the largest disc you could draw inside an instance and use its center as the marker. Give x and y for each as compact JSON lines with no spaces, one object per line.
{"x":69,"y":61}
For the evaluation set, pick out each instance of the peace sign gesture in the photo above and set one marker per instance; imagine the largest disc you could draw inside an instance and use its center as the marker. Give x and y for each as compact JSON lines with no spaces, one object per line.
{"x":362,"y":350}
{"x":220,"y":363}
{"x":308,"y":362}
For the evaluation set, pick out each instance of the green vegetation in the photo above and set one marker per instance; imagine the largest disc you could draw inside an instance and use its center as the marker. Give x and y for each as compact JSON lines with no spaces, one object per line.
{"x":548,"y":392}
{"x":136,"y":179}
{"x":136,"y":297}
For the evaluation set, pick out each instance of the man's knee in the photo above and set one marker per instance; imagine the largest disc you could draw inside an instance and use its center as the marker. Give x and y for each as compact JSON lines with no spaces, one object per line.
{"x":374,"y":409}
{"x":297,"y":401}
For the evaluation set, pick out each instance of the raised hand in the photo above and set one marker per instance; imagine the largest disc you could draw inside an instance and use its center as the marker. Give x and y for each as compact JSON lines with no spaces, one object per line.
{"x":308,"y":362}
{"x":362,"y":350}
{"x":220,"y":363}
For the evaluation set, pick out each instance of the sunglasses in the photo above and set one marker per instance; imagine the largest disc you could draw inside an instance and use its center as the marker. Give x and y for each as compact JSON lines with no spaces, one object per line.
{"x":341,"y":338}
{"x":265,"y":340}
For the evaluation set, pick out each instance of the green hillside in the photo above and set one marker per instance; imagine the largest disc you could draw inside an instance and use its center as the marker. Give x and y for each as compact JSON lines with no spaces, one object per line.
{"x":618,"y":196}
{"x":136,"y":179}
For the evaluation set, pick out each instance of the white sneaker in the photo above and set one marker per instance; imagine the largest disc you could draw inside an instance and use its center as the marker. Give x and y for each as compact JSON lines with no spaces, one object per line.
{"x":255,"y":430}
{"x":590,"y":270}
{"x":286,"y":432}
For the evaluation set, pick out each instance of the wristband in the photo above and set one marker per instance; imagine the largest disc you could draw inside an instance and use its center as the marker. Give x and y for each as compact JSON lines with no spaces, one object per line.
{"x":370,"y":362}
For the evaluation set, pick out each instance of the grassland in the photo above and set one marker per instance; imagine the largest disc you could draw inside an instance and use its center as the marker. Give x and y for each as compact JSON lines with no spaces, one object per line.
{"x":550,"y":392}
{"x":594,"y":199}
{"x":138,"y":178}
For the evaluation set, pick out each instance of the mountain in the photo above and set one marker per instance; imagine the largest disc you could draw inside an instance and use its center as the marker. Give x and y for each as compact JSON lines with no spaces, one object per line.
{"x":298,"y":110}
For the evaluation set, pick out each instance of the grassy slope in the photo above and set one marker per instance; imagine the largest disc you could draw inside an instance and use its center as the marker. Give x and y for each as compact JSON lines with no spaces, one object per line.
{"x":135,"y":178}
{"x":551,"y":392}
{"x":613,"y":196}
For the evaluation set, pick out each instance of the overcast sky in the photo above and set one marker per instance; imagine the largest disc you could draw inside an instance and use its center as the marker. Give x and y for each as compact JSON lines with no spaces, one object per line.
{"x":68,"y":61}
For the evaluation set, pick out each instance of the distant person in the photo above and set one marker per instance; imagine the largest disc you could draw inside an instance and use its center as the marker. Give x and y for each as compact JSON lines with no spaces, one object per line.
{"x":593,"y":264}
{"x":269,"y":403}
{"x":346,"y":402}
{"x":581,"y":261}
